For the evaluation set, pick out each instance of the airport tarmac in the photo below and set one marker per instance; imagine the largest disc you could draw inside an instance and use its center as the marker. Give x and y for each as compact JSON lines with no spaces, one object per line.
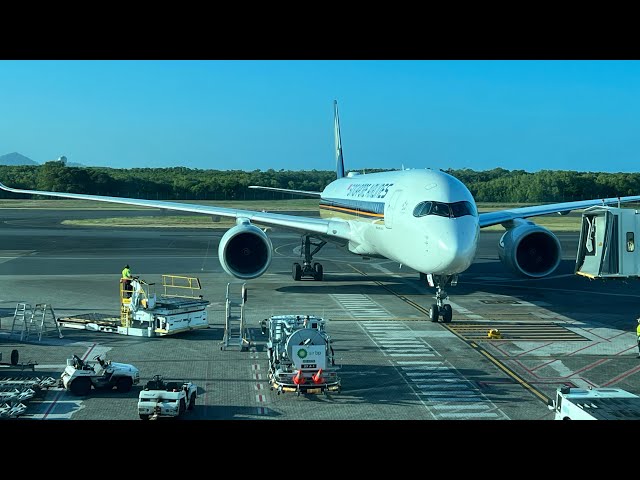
{"x":395,"y":364}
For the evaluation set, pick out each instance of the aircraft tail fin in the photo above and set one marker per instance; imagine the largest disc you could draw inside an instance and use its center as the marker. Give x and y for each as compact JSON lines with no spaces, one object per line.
{"x":336,"y":128}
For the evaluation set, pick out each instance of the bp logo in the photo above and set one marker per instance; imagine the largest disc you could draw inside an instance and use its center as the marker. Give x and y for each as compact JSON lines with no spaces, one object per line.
{"x":302,"y":353}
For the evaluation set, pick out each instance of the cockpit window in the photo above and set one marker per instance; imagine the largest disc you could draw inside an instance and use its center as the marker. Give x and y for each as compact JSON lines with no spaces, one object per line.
{"x":452,"y":210}
{"x":422,"y":209}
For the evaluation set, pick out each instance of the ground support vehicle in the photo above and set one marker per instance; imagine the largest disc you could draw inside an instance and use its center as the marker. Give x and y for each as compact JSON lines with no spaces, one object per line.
{"x":301,"y":357}
{"x":145,"y":314}
{"x":79,"y":376}
{"x":595,"y":404}
{"x":166,"y":399}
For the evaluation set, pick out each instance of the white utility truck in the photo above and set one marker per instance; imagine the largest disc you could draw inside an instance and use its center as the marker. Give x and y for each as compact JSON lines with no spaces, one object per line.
{"x":595,"y":404}
{"x":166,"y":399}
{"x":79,"y":376}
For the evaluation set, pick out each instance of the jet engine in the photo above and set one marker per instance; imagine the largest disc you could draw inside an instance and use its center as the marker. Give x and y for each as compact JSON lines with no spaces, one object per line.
{"x":529,"y":250}
{"x":245,"y":251}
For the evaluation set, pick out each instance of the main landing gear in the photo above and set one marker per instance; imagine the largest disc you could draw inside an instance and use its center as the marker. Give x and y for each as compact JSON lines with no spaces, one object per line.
{"x":307,"y":269}
{"x":440,"y":309}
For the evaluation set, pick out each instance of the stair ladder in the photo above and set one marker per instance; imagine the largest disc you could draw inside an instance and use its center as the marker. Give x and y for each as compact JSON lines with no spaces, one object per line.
{"x":235,"y":331}
{"x":20,"y":320}
{"x":43,"y":318}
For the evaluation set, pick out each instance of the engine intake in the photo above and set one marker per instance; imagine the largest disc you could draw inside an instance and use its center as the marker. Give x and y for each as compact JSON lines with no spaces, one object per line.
{"x":529,"y":250}
{"x":245,"y":251}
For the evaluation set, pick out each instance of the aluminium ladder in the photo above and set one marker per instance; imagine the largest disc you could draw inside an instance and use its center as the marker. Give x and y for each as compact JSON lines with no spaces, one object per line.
{"x":235,"y":330}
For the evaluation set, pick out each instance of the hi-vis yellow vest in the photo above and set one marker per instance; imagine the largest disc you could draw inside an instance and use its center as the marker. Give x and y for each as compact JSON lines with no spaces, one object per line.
{"x":126,"y":273}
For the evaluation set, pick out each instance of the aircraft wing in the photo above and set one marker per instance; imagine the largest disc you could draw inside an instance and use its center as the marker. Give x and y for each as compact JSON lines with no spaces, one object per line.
{"x":286,"y":190}
{"x":338,"y":229}
{"x":504,"y":216}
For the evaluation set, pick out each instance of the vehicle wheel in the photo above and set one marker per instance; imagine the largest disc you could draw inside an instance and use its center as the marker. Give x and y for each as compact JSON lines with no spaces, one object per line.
{"x":124,"y":384}
{"x":447,"y":313}
{"x":318,"y":271}
{"x":296,"y":272}
{"x":144,"y":417}
{"x":14,"y":357}
{"x":182,"y":407}
{"x":423,"y":277}
{"x":433,"y":313}
{"x":80,"y":386}
{"x":192,"y":402}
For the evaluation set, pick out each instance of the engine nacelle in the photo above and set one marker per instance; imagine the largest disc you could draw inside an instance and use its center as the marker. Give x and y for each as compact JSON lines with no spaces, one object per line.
{"x":529,"y":250}
{"x":245,"y":251}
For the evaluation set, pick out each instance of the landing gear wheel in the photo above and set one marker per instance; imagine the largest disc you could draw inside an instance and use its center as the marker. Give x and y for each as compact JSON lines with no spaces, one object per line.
{"x":434,"y":313}
{"x":296,"y":272}
{"x":447,"y":313}
{"x":318,"y":271}
{"x":124,"y":384}
{"x":80,"y":386}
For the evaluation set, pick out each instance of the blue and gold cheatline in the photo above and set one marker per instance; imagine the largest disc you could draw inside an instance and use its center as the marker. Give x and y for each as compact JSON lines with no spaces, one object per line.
{"x":350,"y":209}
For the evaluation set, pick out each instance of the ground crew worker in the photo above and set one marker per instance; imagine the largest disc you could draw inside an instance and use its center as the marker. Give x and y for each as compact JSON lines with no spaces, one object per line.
{"x":126,"y":281}
{"x":638,"y":334}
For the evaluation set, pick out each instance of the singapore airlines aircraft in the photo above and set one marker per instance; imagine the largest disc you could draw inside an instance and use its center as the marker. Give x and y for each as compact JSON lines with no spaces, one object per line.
{"x":424,"y":219}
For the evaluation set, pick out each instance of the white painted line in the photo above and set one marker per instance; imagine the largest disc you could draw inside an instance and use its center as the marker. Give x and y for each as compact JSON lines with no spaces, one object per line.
{"x":461,"y":407}
{"x":416,"y":362}
{"x":412,"y":354}
{"x":474,"y":316}
{"x":438,"y":386}
{"x":469,"y":415}
{"x":458,"y":395}
{"x":449,"y":399}
{"x":432,"y":369}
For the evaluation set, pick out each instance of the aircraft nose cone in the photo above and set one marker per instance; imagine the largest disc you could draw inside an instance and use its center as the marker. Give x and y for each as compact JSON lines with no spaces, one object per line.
{"x":457,"y":249}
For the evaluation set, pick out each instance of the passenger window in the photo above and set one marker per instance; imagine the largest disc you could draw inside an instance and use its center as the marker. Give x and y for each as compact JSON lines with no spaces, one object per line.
{"x":631,"y":245}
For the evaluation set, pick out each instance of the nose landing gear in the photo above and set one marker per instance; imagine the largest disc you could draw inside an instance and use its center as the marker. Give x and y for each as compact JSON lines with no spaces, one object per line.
{"x":440,"y":309}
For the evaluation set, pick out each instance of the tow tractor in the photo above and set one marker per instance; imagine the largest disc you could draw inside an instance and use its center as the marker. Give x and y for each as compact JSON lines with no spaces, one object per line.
{"x":166,"y":399}
{"x":595,"y":404}
{"x":145,"y":314}
{"x":301,"y":358}
{"x":79,"y":375}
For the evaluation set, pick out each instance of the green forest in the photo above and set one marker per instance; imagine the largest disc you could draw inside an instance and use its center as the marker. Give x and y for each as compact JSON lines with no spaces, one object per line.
{"x":182,"y":183}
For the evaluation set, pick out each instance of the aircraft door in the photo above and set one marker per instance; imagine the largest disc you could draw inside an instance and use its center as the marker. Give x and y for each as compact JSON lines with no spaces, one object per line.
{"x":390,"y":207}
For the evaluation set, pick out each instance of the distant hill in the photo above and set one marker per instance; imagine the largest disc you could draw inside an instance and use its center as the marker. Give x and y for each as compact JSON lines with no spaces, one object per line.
{"x":16,"y":158}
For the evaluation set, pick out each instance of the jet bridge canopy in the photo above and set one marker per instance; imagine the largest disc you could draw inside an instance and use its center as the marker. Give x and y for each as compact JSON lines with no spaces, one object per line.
{"x":607,"y":245}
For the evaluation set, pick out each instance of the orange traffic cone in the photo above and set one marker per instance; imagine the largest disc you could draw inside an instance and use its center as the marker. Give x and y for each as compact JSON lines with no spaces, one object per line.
{"x":317,"y":378}
{"x":298,"y":379}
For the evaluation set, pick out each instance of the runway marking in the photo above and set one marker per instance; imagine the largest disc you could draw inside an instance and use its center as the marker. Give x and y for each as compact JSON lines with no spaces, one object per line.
{"x":360,"y":306}
{"x":435,"y":382}
{"x":517,"y":332}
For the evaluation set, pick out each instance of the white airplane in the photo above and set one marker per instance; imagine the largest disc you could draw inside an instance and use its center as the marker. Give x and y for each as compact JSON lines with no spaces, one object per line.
{"x":424,"y":219}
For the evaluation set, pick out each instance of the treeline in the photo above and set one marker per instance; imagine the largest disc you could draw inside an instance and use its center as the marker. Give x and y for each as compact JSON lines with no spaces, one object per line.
{"x":181,"y":183}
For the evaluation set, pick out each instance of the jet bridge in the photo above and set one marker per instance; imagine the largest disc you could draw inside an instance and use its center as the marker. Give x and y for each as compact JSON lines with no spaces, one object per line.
{"x":607,"y":246}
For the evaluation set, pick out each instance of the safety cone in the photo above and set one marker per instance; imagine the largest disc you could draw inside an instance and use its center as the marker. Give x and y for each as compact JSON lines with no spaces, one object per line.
{"x":298,"y":379}
{"x":317,"y":378}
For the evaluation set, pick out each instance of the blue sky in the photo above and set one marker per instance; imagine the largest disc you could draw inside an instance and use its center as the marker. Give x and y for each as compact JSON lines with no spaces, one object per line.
{"x":530,"y":115}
